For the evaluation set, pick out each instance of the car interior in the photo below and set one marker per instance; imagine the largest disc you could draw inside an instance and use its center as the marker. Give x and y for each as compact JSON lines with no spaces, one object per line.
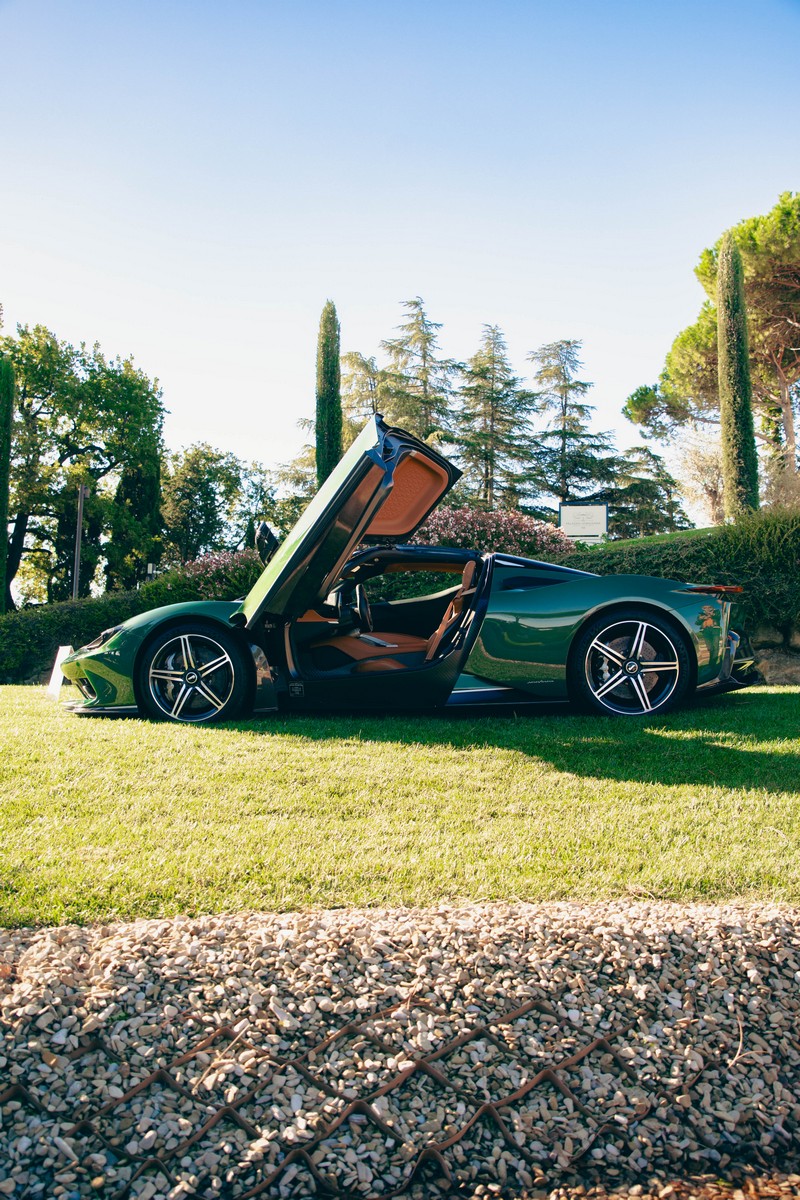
{"x":350,"y":636}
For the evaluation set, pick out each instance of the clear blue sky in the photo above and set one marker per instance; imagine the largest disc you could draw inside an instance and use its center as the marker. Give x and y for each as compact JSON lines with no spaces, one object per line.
{"x":189,"y":182}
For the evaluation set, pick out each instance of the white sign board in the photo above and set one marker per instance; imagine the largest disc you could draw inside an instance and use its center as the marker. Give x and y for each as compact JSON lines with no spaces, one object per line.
{"x":583,"y":522}
{"x":57,"y":678}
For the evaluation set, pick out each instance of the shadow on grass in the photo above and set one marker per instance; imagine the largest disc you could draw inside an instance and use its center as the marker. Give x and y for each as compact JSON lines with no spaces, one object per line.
{"x":716,"y":741}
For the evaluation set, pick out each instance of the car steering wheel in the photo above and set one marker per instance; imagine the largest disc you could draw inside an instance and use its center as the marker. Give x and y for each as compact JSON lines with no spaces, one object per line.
{"x":362,"y":609}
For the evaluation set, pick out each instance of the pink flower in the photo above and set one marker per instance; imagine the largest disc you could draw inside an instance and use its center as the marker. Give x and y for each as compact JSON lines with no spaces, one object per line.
{"x":507,"y":530}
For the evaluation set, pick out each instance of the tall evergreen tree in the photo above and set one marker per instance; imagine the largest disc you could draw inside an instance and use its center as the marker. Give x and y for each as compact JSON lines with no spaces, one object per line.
{"x":364,"y":393}
{"x":643,"y":498}
{"x":739,"y":459}
{"x":328,"y":425}
{"x":6,"y":421}
{"x":569,"y":460}
{"x":493,"y":436}
{"x":420,"y":384}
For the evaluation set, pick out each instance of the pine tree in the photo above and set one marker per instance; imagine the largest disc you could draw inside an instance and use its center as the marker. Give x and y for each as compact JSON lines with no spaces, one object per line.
{"x":688,"y":390}
{"x":364,"y":393}
{"x":6,"y":419}
{"x":644,"y":498}
{"x":419,"y":383}
{"x":739,"y":459}
{"x":569,"y":459}
{"x":328,"y":425}
{"x":493,"y":435}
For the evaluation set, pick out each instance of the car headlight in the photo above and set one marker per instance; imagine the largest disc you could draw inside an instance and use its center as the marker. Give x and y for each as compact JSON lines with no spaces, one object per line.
{"x":102,"y":638}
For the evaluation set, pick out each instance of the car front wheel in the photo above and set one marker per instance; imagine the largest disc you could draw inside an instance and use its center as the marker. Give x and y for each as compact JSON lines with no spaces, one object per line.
{"x":630,"y":663}
{"x":193,"y":673}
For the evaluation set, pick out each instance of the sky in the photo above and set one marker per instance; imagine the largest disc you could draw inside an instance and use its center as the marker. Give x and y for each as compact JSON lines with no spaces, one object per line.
{"x":188,"y":182}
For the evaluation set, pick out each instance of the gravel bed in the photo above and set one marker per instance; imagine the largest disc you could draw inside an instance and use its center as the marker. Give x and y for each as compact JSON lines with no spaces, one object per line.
{"x":640,"y":1049}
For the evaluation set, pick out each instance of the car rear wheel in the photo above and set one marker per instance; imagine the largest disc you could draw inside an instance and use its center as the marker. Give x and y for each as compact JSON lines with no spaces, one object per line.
{"x":195,"y":674}
{"x":630,"y":663}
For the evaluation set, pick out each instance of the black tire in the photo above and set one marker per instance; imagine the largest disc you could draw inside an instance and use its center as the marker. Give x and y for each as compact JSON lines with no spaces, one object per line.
{"x":644,"y":651}
{"x":195,"y":673}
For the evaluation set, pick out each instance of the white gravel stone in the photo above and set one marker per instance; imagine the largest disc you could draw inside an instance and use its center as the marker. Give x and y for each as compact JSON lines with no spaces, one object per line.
{"x":698,"y":1007}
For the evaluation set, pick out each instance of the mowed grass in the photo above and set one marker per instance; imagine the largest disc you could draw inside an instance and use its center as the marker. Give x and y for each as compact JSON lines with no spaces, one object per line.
{"x":121,"y":818}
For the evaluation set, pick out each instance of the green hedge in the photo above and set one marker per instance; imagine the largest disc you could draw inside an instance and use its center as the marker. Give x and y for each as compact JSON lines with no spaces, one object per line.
{"x":29,"y":639}
{"x":761,"y":552}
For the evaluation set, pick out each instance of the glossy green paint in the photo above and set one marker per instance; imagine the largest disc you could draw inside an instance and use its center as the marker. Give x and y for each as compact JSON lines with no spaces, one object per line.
{"x":111,"y":668}
{"x":526,"y":635}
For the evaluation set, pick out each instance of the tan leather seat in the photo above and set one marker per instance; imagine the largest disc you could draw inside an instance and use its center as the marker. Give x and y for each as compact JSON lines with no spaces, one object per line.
{"x":360,"y":646}
{"x":454,"y":609}
{"x":367,"y":652}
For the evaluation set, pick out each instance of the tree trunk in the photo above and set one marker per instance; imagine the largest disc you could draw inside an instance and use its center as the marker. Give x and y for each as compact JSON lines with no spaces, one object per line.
{"x":15,"y":547}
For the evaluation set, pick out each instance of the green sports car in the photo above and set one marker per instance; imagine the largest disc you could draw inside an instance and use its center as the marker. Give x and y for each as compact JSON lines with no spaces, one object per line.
{"x":317,"y":631}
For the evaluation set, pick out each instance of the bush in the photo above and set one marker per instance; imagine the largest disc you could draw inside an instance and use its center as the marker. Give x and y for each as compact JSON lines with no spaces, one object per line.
{"x":29,"y":639}
{"x":466,"y":528}
{"x":221,"y":576}
{"x":511,"y":531}
{"x":761,"y":552}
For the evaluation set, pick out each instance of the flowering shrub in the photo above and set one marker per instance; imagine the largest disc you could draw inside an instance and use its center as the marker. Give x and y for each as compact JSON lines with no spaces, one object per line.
{"x":510,"y":531}
{"x":221,"y":576}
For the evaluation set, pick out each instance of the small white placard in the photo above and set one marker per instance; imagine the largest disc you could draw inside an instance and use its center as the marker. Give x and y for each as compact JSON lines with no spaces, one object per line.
{"x":57,"y":677}
{"x":583,"y":522}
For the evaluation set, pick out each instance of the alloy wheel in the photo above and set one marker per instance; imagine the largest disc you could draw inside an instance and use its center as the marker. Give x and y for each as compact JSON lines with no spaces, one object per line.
{"x":632,"y":667}
{"x":191,"y":677}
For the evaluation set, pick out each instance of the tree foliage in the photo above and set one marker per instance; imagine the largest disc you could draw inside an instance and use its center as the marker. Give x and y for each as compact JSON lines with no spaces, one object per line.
{"x":212,"y":501}
{"x":492,"y":430}
{"x":79,"y":418}
{"x":570,"y":460}
{"x":643,"y":498}
{"x":328,"y":423}
{"x":688,"y":388}
{"x":365,"y":392}
{"x":134,"y":524}
{"x":419,"y":383}
{"x":699,"y":471}
{"x":739,"y":460}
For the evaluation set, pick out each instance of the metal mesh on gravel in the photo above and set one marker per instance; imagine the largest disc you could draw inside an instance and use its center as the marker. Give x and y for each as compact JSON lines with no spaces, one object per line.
{"x":377,"y":1053}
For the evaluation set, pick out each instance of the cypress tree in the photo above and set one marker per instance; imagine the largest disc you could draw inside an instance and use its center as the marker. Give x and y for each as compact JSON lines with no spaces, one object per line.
{"x":739,"y":460}
{"x":328,"y":424}
{"x":6,"y":418}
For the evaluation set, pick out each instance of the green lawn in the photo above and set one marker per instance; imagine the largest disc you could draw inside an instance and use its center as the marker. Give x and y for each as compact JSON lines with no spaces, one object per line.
{"x":120,"y":818}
